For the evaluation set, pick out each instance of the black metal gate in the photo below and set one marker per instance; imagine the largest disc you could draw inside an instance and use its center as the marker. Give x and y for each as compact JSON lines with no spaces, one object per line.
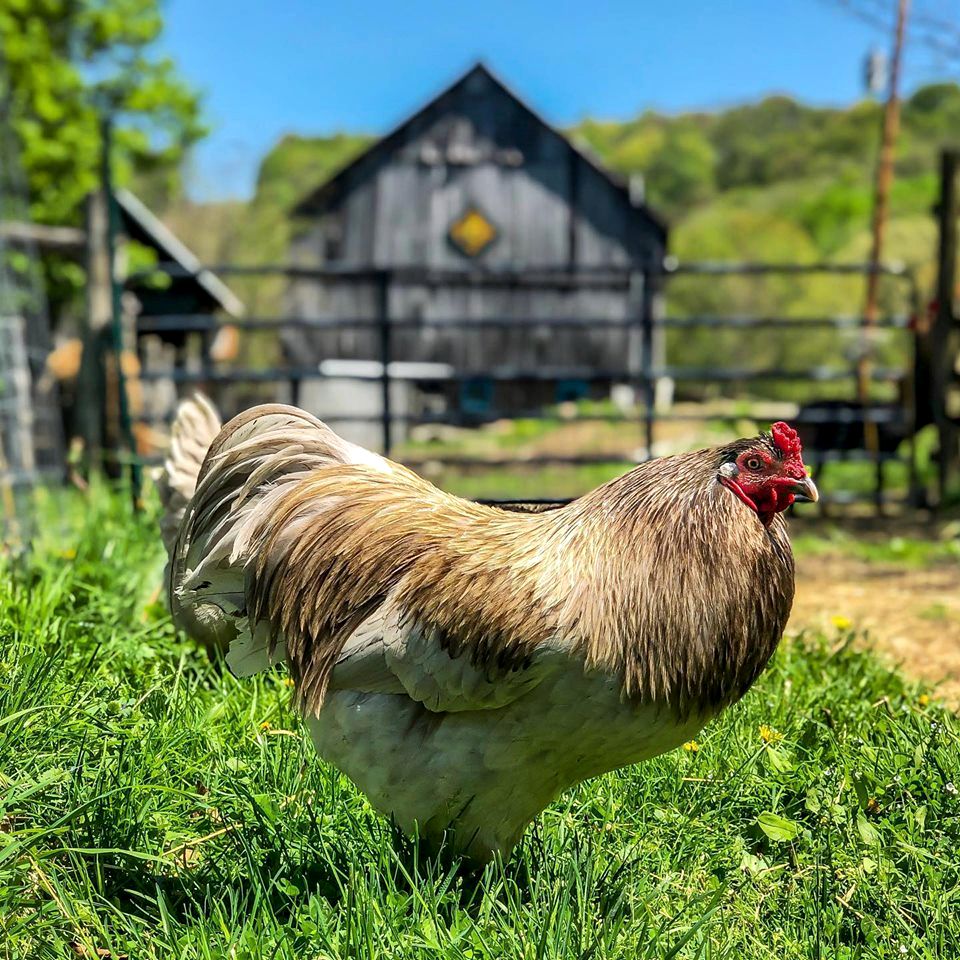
{"x":939,"y":349}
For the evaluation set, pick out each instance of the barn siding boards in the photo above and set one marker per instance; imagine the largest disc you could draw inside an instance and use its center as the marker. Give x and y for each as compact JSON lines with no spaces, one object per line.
{"x":475,"y":146}
{"x":478,"y":144}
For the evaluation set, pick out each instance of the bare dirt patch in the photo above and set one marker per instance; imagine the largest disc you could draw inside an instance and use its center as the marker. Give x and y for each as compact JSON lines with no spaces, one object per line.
{"x":911,"y":616}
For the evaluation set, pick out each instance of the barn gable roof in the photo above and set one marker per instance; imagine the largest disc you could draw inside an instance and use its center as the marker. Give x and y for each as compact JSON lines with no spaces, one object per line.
{"x":143,"y":226}
{"x":331,"y":189}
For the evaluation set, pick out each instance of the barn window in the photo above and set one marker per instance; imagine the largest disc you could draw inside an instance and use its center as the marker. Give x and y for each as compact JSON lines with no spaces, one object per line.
{"x":569,"y":391}
{"x":471,"y":233}
{"x":476,"y":396}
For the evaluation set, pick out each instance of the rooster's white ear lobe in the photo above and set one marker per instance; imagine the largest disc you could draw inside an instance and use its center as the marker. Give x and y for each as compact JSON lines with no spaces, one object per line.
{"x":728,"y":470}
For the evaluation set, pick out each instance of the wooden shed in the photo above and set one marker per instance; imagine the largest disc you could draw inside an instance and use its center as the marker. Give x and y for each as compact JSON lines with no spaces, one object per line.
{"x":475,"y":209}
{"x":154,"y":314}
{"x":190,"y":289}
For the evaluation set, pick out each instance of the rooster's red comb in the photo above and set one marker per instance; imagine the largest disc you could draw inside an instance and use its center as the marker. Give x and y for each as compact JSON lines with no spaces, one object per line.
{"x":786,"y":439}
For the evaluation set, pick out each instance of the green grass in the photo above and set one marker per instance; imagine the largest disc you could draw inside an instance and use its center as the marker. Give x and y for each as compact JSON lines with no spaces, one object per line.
{"x":529,"y":438}
{"x":147,"y":810}
{"x":561,"y":481}
{"x":877,"y":547}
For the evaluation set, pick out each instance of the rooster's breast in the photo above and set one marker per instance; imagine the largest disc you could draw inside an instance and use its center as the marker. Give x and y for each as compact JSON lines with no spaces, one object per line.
{"x":485,"y":774}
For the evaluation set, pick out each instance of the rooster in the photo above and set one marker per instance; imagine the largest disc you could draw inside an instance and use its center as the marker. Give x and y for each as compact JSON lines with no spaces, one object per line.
{"x":465,"y":664}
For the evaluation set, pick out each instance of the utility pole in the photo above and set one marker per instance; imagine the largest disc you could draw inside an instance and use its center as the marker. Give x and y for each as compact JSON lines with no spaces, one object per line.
{"x":881,"y":203}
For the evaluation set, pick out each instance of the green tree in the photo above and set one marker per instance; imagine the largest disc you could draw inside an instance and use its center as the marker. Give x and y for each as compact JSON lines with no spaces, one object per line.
{"x":681,"y":173}
{"x":294,"y":167}
{"x":62,"y":62}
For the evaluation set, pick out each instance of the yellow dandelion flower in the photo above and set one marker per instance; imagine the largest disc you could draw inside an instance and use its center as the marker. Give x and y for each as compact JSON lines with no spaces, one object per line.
{"x":923,"y":700}
{"x":288,"y":681}
{"x":691,"y":746}
{"x":69,"y":554}
{"x":841,"y":623}
{"x":769,"y":735}
{"x":266,"y":725}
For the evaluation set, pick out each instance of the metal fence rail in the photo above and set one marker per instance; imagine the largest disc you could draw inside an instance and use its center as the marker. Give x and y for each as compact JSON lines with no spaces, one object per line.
{"x":643,"y":320}
{"x":202,"y":323}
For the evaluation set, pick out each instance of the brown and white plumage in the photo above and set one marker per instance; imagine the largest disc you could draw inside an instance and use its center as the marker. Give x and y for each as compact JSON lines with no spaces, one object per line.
{"x":465,"y":664}
{"x":195,"y":427}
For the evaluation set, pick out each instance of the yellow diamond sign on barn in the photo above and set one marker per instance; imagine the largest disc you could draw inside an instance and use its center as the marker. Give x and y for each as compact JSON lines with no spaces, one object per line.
{"x":472,"y":232}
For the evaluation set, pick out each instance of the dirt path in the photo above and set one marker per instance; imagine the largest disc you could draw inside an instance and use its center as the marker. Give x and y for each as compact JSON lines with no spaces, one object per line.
{"x":912,"y":615}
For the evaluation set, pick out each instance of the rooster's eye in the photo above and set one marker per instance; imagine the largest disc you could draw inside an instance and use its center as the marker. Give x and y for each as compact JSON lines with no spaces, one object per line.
{"x":753,"y":463}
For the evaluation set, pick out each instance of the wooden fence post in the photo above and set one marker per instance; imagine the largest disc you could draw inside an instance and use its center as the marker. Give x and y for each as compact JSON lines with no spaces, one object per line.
{"x":91,"y":385}
{"x":386,"y":350}
{"x":125,"y":424}
{"x":650,"y":285}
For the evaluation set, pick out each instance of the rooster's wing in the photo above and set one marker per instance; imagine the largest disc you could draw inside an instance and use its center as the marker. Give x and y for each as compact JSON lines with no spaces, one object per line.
{"x":299,"y":546}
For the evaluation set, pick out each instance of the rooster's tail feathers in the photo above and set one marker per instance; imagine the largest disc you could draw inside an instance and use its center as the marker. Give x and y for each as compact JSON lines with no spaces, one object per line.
{"x":252,"y":463}
{"x":194,"y":429}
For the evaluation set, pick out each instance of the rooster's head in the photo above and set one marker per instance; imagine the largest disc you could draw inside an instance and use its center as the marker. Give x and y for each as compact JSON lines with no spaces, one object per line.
{"x":767,"y":472}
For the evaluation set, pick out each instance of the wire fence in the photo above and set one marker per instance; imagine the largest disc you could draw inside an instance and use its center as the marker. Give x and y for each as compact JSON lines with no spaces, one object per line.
{"x":30,"y":441}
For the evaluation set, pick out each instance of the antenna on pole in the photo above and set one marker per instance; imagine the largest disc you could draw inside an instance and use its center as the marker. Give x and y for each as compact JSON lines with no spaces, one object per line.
{"x":876,"y":77}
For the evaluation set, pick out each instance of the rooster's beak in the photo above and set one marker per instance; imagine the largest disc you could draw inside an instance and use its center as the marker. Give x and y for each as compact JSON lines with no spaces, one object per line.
{"x":806,"y":489}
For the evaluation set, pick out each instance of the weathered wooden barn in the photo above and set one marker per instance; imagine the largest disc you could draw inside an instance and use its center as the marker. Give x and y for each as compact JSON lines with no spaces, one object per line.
{"x":475,"y":209}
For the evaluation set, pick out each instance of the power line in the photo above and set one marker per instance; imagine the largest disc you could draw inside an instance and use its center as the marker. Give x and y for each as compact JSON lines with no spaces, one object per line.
{"x":937,"y":33}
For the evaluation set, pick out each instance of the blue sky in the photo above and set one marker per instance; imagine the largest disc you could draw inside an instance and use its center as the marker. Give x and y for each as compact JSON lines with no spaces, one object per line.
{"x":267,"y":69}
